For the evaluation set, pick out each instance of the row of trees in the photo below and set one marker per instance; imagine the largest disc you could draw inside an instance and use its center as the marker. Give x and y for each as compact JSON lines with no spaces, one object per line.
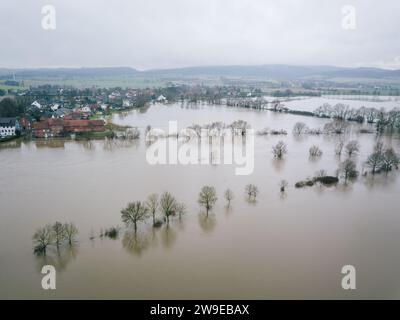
{"x":383,"y":119}
{"x":10,"y":107}
{"x":382,"y":159}
{"x":167,"y":205}
{"x":138,"y":211}
{"x":56,"y":234}
{"x":336,"y":126}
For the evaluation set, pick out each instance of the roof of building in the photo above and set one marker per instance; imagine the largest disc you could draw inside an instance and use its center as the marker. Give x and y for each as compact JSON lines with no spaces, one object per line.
{"x":8,"y":122}
{"x":83,"y":123}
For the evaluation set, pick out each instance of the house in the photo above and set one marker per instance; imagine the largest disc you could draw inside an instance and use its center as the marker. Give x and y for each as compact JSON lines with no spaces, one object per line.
{"x":8,"y":127}
{"x":55,"y":107}
{"x":61,"y":112}
{"x":86,"y":109}
{"x":161,"y":98}
{"x":36,"y":104}
{"x":126,"y":103}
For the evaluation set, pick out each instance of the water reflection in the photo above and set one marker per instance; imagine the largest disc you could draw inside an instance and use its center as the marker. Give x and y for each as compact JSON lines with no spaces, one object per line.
{"x":168,"y":236}
{"x":372,"y":181}
{"x":50,"y":143}
{"x":136,"y":242}
{"x":59,"y":258}
{"x":278,"y":164}
{"x":113,"y":144}
{"x":228,"y":210}
{"x":207,"y":222}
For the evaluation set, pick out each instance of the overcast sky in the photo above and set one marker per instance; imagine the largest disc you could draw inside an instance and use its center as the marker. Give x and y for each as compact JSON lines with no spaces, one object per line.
{"x":147,"y":34}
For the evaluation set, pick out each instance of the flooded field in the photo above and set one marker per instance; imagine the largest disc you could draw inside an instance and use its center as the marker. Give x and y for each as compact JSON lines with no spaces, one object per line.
{"x":290,"y":245}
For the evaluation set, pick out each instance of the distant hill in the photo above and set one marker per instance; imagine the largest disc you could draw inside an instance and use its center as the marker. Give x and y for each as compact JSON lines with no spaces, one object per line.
{"x":278,"y":72}
{"x":68,"y":72}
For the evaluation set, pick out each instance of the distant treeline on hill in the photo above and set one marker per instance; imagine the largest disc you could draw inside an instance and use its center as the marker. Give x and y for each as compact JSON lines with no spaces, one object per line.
{"x":278,"y":72}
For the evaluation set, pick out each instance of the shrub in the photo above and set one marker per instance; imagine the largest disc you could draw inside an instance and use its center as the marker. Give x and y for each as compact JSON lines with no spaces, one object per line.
{"x":327,"y":180}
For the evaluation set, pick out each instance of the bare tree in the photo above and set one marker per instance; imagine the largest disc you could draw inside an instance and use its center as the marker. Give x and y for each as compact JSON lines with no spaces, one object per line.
{"x":279,"y":150}
{"x":59,"y":233}
{"x":352,"y":148}
{"x":152,"y":205}
{"x":375,"y":160}
{"x":390,"y":159}
{"x":168,"y":205}
{"x":300,"y":128}
{"x":348,"y":169}
{"x":239,"y":127}
{"x":283,"y":184}
{"x":42,"y":238}
{"x":315,"y":152}
{"x":252,"y":191}
{"x":134,"y":213}
{"x":336,"y":126}
{"x":339,"y":148}
{"x":207,"y":198}
{"x":71,"y":232}
{"x":180,"y":210}
{"x":229,"y":196}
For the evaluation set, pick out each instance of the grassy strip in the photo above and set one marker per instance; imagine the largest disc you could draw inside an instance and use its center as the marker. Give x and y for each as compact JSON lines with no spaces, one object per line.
{"x":94,"y":135}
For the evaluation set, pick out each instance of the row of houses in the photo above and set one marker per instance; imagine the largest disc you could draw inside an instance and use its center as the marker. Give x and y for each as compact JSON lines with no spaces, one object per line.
{"x":51,"y":127}
{"x":47,"y":128}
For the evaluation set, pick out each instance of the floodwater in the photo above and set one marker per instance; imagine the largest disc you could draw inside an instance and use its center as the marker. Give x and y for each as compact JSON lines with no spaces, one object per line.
{"x":290,"y":245}
{"x":356,"y":102}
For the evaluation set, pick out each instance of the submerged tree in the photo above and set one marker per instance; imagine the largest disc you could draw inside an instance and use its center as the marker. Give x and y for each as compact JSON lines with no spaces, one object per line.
{"x":283,"y":184}
{"x":352,"y":148}
{"x":180,"y":210}
{"x":279,"y":150}
{"x":348,"y":169}
{"x":382,"y":158}
{"x":339,"y":148}
{"x":59,"y":233}
{"x":134,"y":213}
{"x":251,"y":191}
{"x":71,"y":231}
{"x":390,"y":159}
{"x":168,"y":205}
{"x":42,"y":238}
{"x":228,"y":196}
{"x":152,"y":205}
{"x":315,"y":152}
{"x":375,"y":160}
{"x":207,"y":197}
{"x":336,"y":126}
{"x":300,"y":128}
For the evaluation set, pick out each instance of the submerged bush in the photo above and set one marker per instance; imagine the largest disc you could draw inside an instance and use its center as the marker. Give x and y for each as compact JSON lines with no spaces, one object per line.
{"x":112,"y":233}
{"x":327,"y":180}
{"x":306,"y":183}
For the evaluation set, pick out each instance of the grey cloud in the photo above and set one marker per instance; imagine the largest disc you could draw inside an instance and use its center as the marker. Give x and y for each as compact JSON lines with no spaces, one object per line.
{"x":174,"y":33}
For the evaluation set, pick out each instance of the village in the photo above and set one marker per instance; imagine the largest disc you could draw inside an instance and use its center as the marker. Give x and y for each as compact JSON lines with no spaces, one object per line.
{"x":52,"y":111}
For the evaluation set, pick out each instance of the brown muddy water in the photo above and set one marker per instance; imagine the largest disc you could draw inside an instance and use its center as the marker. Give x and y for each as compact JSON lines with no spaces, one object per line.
{"x":283,"y":246}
